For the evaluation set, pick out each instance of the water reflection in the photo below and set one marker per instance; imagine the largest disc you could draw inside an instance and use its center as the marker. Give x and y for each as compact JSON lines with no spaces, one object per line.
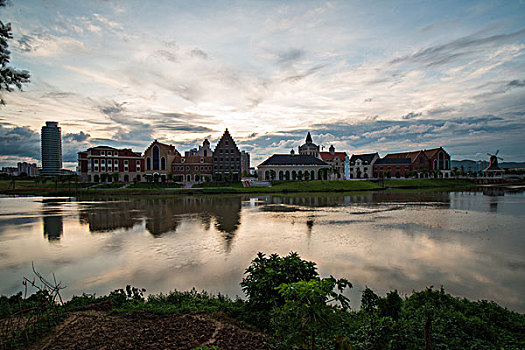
{"x":53,"y":225}
{"x":471,"y":242}
{"x":163,"y":215}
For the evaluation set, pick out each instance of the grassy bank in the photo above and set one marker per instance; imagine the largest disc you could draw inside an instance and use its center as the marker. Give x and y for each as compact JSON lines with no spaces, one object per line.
{"x":31,"y":188}
{"x":296,"y":309}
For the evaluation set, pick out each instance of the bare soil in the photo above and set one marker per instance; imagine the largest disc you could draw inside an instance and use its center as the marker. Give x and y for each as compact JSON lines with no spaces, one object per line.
{"x":95,"y":329}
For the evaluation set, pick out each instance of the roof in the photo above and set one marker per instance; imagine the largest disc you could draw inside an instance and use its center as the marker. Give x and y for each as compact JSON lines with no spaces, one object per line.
{"x":288,"y":159}
{"x":414,"y":154}
{"x":365,"y":157}
{"x":393,"y":161}
{"x":327,"y":156}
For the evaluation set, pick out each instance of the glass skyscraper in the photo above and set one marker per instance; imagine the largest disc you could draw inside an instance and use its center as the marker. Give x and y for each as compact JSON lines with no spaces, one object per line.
{"x":51,"y":145}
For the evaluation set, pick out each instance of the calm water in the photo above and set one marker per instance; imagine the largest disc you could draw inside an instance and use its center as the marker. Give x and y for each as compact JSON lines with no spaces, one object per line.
{"x":472,"y":243}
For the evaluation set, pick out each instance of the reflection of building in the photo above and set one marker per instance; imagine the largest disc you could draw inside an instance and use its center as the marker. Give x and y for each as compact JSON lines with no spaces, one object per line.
{"x":108,"y":216}
{"x":52,"y":218}
{"x":361,"y":165}
{"x":336,"y":161}
{"x":53,"y":227}
{"x":227,"y":159}
{"x":51,"y":147}
{"x":159,"y":157}
{"x":196,"y":165}
{"x":107,"y":164}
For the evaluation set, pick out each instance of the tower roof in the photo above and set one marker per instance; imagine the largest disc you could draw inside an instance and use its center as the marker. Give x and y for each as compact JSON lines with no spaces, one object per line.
{"x":308,"y":138}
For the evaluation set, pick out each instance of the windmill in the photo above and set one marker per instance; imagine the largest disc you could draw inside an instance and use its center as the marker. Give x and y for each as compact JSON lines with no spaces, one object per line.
{"x":493,"y":168}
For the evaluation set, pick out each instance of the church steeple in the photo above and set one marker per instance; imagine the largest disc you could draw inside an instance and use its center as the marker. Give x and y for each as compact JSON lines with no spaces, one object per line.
{"x":308,"y":138}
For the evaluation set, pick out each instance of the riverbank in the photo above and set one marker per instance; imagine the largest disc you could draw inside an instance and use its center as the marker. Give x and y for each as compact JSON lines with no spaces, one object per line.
{"x":30,"y":188}
{"x":288,"y":306}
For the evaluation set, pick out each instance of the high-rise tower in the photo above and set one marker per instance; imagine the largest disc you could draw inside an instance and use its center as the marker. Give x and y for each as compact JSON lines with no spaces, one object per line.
{"x":51,"y":146}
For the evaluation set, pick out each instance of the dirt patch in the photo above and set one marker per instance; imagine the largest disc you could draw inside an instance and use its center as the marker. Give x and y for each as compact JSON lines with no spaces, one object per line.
{"x":142,"y":330}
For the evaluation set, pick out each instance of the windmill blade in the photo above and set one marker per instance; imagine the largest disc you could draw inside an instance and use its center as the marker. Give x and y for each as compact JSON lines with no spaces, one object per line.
{"x":497,"y":151}
{"x":500,"y":158}
{"x":488,"y":154}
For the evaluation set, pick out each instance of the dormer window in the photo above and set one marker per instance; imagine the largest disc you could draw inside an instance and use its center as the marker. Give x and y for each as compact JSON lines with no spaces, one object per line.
{"x":202,"y":160}
{"x":102,"y":153}
{"x":182,"y":160}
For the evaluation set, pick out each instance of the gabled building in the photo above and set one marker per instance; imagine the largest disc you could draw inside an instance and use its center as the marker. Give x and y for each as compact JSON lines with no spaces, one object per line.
{"x":196,"y":166}
{"x":361,"y":165}
{"x":293,"y":167}
{"x":227,"y":159}
{"x":108,"y":164}
{"x":424,"y":162}
{"x":158,"y":158}
{"x":336,"y":161}
{"x":392,"y":168}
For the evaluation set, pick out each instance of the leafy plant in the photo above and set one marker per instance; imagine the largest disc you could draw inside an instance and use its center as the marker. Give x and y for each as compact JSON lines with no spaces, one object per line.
{"x":311,"y":312}
{"x":265,"y":274}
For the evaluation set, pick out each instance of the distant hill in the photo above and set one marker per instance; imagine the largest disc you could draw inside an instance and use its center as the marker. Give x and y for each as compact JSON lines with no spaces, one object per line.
{"x":480,"y":166}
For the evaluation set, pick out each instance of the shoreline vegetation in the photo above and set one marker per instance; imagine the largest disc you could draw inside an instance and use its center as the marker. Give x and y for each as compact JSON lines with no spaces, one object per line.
{"x":27,"y":187}
{"x":287,"y":306}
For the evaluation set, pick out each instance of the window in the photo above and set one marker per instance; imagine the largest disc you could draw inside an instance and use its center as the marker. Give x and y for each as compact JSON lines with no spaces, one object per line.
{"x":126,"y":165}
{"x":103,"y":153}
{"x":220,"y":151}
{"x":110,"y":153}
{"x":226,"y":142}
{"x":162,"y":163}
{"x":148,"y":163}
{"x":202,"y":160}
{"x":156,"y":157}
{"x":138,"y":165}
{"x":196,"y":168}
{"x":187,"y":168}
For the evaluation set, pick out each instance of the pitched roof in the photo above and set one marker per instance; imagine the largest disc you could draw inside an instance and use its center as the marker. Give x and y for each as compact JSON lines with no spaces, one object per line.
{"x":366,"y":157}
{"x":327,"y":156}
{"x":429,"y":153}
{"x":393,"y":161}
{"x":308,"y":138}
{"x":288,"y":159}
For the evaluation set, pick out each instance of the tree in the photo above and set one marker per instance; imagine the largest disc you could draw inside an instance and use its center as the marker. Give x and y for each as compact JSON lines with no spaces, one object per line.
{"x":9,"y":77}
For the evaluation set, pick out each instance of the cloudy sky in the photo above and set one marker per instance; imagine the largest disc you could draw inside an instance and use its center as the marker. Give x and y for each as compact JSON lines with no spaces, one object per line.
{"x":364,"y":76}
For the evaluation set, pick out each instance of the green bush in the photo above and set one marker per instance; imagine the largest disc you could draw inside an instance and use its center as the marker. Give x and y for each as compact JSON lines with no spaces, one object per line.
{"x":266,"y":274}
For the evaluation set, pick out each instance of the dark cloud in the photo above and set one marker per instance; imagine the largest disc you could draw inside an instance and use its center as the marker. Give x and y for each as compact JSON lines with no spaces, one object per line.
{"x":445,"y":53}
{"x":299,"y":76}
{"x":168,"y":55}
{"x":113,"y":108}
{"x":516,"y":83}
{"x":290,"y":56}
{"x":57,"y":94}
{"x":25,"y":43}
{"x":19,"y":141}
{"x":80,"y":137}
{"x":411,"y":115}
{"x":199,"y":53}
{"x":368,"y":100}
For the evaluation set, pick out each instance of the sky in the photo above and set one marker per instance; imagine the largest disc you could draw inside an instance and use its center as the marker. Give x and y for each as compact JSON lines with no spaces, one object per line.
{"x":364,"y":76}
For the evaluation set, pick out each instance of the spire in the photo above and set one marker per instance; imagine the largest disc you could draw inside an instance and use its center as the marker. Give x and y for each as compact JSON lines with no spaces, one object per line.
{"x":308,"y":138}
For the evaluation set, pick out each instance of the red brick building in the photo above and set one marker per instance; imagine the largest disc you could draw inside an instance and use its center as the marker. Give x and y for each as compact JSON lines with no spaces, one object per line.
{"x":424,"y":162}
{"x":195,"y":166}
{"x":108,"y":164}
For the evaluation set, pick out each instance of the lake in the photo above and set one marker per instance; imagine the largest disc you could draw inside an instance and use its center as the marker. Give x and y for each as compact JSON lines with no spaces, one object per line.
{"x":472,"y":243}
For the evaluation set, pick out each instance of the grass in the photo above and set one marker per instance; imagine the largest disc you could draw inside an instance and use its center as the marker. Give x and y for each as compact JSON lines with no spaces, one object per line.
{"x":32,"y":188}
